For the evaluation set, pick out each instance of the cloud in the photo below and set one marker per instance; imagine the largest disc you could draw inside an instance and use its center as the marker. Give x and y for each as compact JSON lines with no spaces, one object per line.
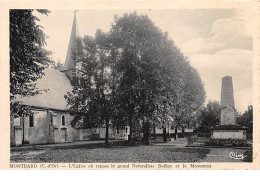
{"x":226,"y":33}
{"x":225,"y":51}
{"x":231,"y":62}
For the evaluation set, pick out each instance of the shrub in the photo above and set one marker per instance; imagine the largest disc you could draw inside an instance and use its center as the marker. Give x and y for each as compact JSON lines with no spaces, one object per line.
{"x":94,"y":137}
{"x":228,"y":142}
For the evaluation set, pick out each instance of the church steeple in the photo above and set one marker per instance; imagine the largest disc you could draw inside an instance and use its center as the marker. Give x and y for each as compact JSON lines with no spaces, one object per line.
{"x":69,"y":63}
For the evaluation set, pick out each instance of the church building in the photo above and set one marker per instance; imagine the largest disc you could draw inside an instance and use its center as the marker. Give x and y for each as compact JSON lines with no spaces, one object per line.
{"x":50,"y":121}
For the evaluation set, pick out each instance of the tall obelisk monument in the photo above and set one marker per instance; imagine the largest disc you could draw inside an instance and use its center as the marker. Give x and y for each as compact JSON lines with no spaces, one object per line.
{"x":227,"y":128}
{"x":227,"y":102}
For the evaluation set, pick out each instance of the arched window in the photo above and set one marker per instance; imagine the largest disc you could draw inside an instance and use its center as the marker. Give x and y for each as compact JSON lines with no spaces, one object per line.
{"x":63,"y":120}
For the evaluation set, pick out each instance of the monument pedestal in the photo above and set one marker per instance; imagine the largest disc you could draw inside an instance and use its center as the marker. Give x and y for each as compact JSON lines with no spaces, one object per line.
{"x":228,"y":132}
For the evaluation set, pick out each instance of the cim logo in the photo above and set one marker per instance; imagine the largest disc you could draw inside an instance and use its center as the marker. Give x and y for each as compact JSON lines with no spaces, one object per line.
{"x":235,"y":155}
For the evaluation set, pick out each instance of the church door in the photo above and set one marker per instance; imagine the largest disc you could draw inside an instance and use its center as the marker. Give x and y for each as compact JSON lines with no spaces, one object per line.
{"x":63,"y":135}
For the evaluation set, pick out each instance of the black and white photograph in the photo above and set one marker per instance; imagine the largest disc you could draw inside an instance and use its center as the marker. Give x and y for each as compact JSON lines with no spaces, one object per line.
{"x":133,"y":87}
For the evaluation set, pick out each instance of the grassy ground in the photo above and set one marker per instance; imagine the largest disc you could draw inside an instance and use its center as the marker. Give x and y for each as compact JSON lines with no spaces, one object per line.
{"x":115,"y":154}
{"x":222,"y":155}
{"x":120,"y":151}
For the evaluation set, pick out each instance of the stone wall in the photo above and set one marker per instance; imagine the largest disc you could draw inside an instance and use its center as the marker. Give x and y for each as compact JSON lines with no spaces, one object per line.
{"x":63,"y":133}
{"x":47,"y":128}
{"x":229,"y":134}
{"x":39,"y":133}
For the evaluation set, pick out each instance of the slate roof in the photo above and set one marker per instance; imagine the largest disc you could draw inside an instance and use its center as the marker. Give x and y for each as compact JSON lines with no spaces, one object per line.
{"x":55,"y":82}
{"x":69,"y":62}
{"x":57,"y":85}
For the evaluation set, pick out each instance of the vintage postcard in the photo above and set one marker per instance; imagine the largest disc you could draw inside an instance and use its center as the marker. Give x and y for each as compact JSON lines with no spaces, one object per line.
{"x":120,"y":85}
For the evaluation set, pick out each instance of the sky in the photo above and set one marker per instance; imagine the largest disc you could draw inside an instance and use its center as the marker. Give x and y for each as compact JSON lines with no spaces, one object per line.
{"x":217,"y":42}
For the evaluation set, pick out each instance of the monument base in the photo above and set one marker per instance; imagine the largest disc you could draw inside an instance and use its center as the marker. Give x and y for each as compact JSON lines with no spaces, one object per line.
{"x":228,"y":132}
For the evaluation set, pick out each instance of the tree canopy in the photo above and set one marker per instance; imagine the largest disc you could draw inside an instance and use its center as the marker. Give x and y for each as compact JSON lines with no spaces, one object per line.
{"x":246,"y":119}
{"x":209,"y":116}
{"x":138,"y":74}
{"x":28,"y":58}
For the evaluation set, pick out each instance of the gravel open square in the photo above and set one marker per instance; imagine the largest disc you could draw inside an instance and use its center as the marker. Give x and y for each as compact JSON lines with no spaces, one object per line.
{"x":123,"y":154}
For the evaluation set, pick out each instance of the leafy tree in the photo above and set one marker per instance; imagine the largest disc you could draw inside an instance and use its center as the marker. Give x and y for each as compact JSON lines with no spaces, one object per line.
{"x":132,"y":75}
{"x":93,"y":95}
{"x":209,"y":116}
{"x":155,"y":76}
{"x":190,"y":100}
{"x":28,"y":58}
{"x":140,"y":42}
{"x":246,"y":119}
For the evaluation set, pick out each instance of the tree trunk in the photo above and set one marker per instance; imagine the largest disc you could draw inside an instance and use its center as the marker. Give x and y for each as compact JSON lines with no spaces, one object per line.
{"x":144,"y":132}
{"x":176,"y":133}
{"x":164,"y":134}
{"x":23,"y":141}
{"x":130,"y":136}
{"x":148,"y":133}
{"x":169,"y":134}
{"x":183,"y":132}
{"x":107,"y":132}
{"x":154,"y":132}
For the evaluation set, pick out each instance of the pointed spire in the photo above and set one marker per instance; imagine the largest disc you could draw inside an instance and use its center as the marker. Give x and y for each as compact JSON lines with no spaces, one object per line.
{"x":69,"y":63}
